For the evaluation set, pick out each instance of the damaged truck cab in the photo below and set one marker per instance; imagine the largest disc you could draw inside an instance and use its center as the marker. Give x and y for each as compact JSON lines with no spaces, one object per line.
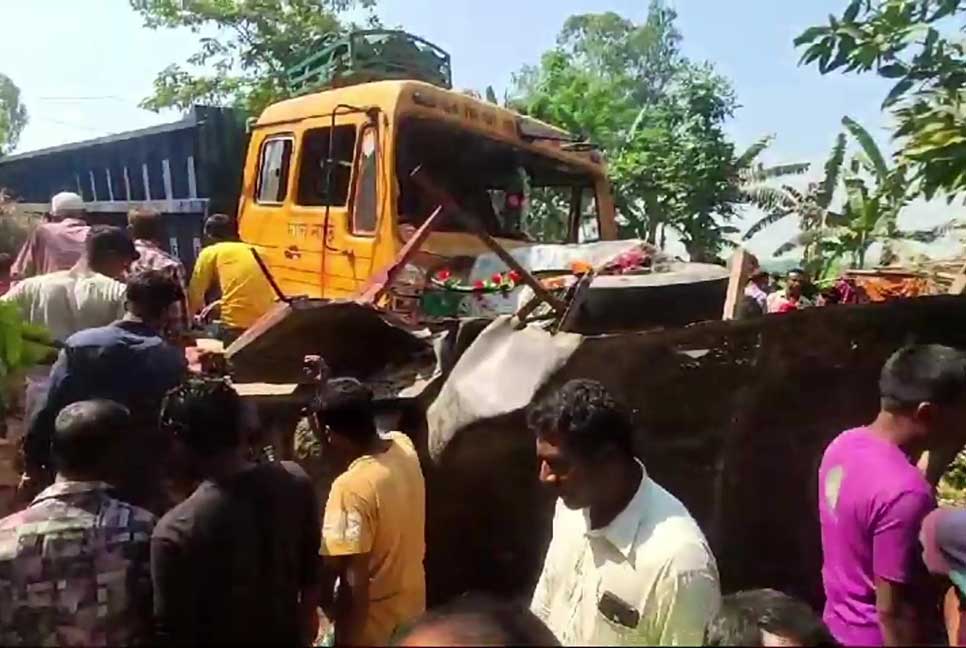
{"x":328,"y":201}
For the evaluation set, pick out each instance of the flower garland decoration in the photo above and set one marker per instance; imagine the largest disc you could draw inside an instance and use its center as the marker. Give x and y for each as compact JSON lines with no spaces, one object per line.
{"x":500,"y":282}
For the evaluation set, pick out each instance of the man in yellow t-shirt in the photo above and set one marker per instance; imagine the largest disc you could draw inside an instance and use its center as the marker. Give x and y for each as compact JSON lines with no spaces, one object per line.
{"x":245,"y":292}
{"x":373,"y":530}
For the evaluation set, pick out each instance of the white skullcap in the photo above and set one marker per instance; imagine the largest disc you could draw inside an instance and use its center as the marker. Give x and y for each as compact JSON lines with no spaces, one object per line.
{"x":65,"y":202}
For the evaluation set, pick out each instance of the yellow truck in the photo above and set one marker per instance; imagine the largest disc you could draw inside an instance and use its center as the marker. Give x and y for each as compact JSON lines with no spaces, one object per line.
{"x":327,"y":199}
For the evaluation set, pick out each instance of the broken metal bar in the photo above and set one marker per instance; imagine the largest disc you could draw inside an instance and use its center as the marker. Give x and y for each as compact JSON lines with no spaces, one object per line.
{"x":378,"y":282}
{"x":579,"y":296}
{"x":441,"y":197}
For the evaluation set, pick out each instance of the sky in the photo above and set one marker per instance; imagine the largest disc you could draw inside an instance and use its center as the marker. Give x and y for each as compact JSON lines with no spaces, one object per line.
{"x":95,"y":62}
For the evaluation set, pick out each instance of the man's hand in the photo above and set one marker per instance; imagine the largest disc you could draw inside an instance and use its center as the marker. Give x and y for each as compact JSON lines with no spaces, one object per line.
{"x":27,"y":489}
{"x":210,"y":311}
{"x":898,"y":617}
{"x":352,"y":597}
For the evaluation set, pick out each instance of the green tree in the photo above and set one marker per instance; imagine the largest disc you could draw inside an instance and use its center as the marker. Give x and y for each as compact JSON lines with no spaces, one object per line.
{"x":874,"y":195}
{"x":678,"y":170}
{"x":254,"y":42}
{"x":811,"y":207}
{"x":602,"y":71}
{"x":917,"y":44}
{"x":658,"y":117}
{"x":13,"y":115}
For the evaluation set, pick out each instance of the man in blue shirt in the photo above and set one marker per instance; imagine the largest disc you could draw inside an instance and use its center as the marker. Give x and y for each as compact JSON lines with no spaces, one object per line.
{"x":127,"y":362}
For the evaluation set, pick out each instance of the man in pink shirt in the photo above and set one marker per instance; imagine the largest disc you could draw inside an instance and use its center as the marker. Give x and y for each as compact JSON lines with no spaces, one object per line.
{"x":873,"y":499}
{"x":56,"y":244}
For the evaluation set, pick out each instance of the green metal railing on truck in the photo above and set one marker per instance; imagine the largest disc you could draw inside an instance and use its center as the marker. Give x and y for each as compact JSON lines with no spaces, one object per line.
{"x":371,"y":55}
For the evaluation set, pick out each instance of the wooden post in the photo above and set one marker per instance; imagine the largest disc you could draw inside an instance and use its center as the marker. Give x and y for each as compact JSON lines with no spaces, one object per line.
{"x":742,"y":264}
{"x":959,"y":282}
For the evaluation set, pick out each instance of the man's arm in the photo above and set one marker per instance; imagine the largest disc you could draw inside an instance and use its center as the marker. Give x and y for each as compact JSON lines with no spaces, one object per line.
{"x":175,"y":593}
{"x":25,"y":265}
{"x":347,"y":533}
{"x":895,"y":561}
{"x":352,"y":598}
{"x":311,"y":564}
{"x":540,"y":604}
{"x":40,"y":430}
{"x":897,"y":613}
{"x":201,"y":279}
{"x":17,"y":294}
{"x":683,"y":606}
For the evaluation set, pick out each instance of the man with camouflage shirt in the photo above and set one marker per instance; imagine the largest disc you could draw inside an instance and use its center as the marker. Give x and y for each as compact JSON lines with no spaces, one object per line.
{"x":74,"y":566}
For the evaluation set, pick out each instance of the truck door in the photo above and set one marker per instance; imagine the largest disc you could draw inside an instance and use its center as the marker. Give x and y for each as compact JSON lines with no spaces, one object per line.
{"x":266,"y":189}
{"x":331,"y":223}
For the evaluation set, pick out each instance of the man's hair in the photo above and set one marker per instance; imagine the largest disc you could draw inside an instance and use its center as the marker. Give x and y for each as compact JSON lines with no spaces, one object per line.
{"x":800,"y":271}
{"x":86,"y":432}
{"x":346,"y":407}
{"x":106,"y":241}
{"x":585,"y":417}
{"x":922,"y":373}
{"x":769,"y":611}
{"x":220,"y":227}
{"x":477,"y":620}
{"x":145,"y":223}
{"x":733,"y":625}
{"x":204,"y":414}
{"x":151,"y":292}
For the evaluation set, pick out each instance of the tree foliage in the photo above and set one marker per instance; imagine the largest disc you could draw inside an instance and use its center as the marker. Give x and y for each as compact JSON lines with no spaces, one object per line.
{"x":873,"y":194}
{"x":678,"y":170}
{"x":246,"y":47}
{"x":658,"y":116}
{"x":13,"y":115}
{"x":918,"y":45}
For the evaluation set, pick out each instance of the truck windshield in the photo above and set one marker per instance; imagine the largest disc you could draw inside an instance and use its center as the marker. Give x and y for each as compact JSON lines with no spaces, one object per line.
{"x":515,"y":193}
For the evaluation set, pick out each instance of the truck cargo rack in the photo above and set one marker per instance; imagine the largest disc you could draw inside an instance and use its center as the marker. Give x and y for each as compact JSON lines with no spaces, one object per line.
{"x":371,"y":55}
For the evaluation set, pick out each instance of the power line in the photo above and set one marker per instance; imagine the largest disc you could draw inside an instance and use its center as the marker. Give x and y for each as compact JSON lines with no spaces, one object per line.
{"x":69,"y":124}
{"x":89,"y":98}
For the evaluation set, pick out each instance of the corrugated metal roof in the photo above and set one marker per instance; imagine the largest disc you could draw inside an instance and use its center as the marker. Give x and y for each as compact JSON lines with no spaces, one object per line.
{"x":189,"y":121}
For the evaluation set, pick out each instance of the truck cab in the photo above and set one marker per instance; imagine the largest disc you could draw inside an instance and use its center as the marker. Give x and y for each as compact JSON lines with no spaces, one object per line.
{"x":327,"y":198}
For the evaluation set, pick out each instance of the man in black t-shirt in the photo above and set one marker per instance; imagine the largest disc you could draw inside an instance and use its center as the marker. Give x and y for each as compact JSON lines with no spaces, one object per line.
{"x":237,"y":562}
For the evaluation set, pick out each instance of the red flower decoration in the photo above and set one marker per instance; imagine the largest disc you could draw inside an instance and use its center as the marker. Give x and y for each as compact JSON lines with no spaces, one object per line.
{"x":443,"y":275}
{"x":479,"y":285}
{"x":497,"y":278}
{"x":515,"y":276}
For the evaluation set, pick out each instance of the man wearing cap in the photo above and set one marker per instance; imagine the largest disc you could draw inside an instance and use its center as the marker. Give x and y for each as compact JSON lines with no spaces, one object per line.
{"x":56,"y":244}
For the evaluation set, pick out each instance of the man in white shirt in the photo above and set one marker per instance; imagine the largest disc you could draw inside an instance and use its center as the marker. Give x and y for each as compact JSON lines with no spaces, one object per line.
{"x":627,"y":564}
{"x":88,"y":295}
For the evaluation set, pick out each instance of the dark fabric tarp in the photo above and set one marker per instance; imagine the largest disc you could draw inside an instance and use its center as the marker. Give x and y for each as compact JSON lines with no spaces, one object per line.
{"x":732,"y":417}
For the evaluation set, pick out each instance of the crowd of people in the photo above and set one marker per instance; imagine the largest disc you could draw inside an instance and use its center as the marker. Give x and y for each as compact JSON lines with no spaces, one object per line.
{"x":147,"y":518}
{"x":766,"y":293}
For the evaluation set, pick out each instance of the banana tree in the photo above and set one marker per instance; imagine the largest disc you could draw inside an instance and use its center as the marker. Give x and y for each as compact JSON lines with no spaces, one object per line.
{"x":811,"y":207}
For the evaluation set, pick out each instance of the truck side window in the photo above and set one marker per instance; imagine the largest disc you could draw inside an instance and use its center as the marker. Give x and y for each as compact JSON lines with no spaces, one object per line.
{"x":273,"y":170}
{"x":589,"y":224}
{"x":322,"y":182}
{"x":365,"y":215}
